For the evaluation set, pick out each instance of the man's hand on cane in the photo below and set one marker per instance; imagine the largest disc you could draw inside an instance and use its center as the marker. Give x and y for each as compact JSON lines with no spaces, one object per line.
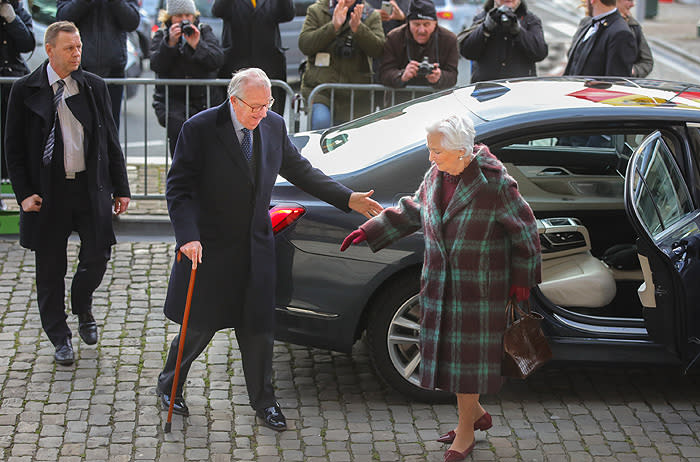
{"x":193,"y":251}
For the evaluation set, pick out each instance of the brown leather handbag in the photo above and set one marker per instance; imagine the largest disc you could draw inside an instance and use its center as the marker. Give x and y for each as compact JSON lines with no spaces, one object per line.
{"x":525,"y":347}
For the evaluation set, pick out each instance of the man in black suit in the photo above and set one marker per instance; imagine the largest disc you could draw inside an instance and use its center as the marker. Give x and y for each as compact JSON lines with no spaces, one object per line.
{"x":603,"y":44}
{"x":226,"y":161}
{"x":67,"y":172}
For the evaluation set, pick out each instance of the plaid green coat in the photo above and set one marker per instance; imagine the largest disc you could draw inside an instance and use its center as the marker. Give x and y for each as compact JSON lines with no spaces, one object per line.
{"x":484,"y":242}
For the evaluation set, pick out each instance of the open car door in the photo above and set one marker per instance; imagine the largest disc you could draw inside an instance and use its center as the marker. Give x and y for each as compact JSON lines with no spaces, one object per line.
{"x":667,"y":223}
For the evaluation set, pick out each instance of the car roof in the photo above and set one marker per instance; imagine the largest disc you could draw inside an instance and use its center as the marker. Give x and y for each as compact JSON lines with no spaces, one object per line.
{"x":580,"y":96}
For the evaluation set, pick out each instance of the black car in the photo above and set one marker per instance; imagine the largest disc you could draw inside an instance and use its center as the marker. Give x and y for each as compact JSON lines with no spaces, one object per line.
{"x":611,"y":170}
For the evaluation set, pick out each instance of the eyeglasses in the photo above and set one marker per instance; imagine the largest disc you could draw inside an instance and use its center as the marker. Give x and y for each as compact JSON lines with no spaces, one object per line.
{"x":257,"y":109}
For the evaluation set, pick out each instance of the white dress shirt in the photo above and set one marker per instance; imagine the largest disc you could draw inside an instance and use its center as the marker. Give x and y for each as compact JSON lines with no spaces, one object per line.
{"x":71,"y":129}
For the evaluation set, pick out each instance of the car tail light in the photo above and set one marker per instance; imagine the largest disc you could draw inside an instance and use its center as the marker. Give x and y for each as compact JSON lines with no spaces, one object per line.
{"x":154,"y":29}
{"x":445,"y":15}
{"x":281,"y":217}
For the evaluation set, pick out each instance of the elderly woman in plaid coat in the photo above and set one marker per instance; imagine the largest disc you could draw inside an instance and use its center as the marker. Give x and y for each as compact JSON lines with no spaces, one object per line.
{"x":481,"y":246}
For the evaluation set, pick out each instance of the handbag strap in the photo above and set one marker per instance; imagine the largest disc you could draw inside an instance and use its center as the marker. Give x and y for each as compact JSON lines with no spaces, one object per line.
{"x":512,"y":306}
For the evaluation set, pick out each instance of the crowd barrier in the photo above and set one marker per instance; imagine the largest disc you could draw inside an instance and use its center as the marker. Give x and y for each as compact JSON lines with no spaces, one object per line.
{"x":145,"y":143}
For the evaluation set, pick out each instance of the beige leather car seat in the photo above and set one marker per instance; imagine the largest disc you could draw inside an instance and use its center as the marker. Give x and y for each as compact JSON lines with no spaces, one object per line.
{"x":571,"y":276}
{"x":579,"y":280}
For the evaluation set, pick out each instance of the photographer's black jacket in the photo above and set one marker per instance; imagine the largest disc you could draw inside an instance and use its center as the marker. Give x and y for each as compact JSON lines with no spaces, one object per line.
{"x":441,"y":48}
{"x":103,"y":26}
{"x":183,"y":62}
{"x":15,"y":38}
{"x":500,"y":55}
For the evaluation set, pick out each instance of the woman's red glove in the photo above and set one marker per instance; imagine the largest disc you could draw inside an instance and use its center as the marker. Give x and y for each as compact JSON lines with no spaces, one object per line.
{"x":354,"y":237}
{"x":520,"y":293}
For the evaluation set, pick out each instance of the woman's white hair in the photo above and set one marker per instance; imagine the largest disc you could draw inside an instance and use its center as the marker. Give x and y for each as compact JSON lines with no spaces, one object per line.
{"x":247,"y":77}
{"x":457,"y":132}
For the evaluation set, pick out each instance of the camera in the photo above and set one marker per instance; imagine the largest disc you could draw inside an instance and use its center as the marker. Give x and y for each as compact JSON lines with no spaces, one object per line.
{"x":186,"y":27}
{"x":424,"y":68}
{"x":344,"y":47}
{"x":505,"y":14}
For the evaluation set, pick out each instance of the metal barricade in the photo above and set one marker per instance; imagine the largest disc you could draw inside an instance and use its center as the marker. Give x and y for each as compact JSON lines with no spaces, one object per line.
{"x":390,"y":96}
{"x":136,"y":146}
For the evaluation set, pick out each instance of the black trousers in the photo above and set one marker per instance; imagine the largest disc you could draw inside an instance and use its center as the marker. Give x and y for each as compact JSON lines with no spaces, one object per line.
{"x":72,"y":213}
{"x":256,"y":353}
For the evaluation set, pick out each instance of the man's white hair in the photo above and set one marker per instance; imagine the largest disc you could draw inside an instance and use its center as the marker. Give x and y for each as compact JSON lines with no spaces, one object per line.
{"x":251,"y":76}
{"x":457,"y":132}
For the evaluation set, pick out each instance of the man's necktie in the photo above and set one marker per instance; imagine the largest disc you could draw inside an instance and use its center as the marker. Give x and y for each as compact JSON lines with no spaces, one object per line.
{"x":253,"y":2}
{"x":247,"y":144}
{"x":48,"y":148}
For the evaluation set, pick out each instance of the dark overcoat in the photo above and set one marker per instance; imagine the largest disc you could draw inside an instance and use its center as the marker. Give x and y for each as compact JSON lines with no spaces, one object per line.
{"x":32,"y":113}
{"x":15,"y":38}
{"x":500,"y":55}
{"x":610,"y":51}
{"x":213,"y":198}
{"x":251,"y":36}
{"x":103,"y":27}
{"x":485,"y":241}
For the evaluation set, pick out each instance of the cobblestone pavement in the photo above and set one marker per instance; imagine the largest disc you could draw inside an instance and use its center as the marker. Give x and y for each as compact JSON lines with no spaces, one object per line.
{"x":104,"y":408}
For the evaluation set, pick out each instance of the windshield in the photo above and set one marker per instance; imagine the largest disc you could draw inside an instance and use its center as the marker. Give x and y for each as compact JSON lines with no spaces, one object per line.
{"x":381,"y":135}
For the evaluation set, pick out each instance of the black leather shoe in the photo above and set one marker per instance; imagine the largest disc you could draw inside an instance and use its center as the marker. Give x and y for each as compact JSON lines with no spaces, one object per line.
{"x":273,"y":418}
{"x":87,"y":328}
{"x":64,"y":352}
{"x":179,"y":407}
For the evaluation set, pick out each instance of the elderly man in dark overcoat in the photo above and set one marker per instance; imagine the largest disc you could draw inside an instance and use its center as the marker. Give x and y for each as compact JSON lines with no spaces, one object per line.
{"x":225,"y":165}
{"x":603,"y":44}
{"x":68,"y":174}
{"x":251,"y":38}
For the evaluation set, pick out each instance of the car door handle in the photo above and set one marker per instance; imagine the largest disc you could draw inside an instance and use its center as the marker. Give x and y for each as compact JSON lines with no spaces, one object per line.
{"x":552,"y":171}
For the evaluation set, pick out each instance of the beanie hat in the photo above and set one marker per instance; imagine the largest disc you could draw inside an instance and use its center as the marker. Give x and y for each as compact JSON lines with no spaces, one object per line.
{"x":422,"y":9}
{"x":181,"y":7}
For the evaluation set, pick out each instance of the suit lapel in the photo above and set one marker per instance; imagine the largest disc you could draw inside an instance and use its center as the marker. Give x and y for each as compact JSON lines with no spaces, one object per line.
{"x":80,"y":109}
{"x":227,"y":136}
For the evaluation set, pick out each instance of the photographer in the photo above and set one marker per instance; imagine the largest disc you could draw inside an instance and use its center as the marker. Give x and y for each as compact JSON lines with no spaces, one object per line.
{"x":505,"y":40}
{"x":183,"y":49}
{"x":420,"y":52}
{"x":16,"y":36}
{"x":339,"y":42}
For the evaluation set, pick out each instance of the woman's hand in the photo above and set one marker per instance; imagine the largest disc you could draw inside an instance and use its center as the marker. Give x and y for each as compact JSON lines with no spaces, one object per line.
{"x":354,"y":237}
{"x":520,"y":293}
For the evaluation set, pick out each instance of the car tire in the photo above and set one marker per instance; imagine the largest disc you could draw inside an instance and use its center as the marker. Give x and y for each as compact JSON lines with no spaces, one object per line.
{"x":392,"y":335}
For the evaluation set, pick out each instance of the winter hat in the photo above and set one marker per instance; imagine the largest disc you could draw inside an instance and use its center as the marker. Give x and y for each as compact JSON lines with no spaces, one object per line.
{"x":422,"y":9}
{"x":181,"y":7}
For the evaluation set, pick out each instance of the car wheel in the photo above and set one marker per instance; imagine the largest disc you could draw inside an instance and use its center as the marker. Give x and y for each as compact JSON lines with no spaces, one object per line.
{"x":392,"y":334}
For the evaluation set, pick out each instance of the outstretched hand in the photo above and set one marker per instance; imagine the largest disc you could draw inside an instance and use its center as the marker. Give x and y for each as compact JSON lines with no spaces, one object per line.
{"x":520,"y":293}
{"x":354,"y":237}
{"x":361,"y":203}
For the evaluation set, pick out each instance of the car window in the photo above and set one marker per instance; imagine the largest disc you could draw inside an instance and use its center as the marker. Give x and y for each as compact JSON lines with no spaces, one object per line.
{"x":659,"y":192}
{"x":204,"y":7}
{"x":43,"y":11}
{"x":582,"y":154}
{"x":300,"y":7}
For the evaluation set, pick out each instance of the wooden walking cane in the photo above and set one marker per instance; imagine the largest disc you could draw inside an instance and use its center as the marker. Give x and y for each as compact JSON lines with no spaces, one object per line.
{"x":181,"y":346}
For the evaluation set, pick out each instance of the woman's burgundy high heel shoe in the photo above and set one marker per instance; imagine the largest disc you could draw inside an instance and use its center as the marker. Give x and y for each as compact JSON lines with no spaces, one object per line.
{"x":483,"y":423}
{"x":455,"y":456}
